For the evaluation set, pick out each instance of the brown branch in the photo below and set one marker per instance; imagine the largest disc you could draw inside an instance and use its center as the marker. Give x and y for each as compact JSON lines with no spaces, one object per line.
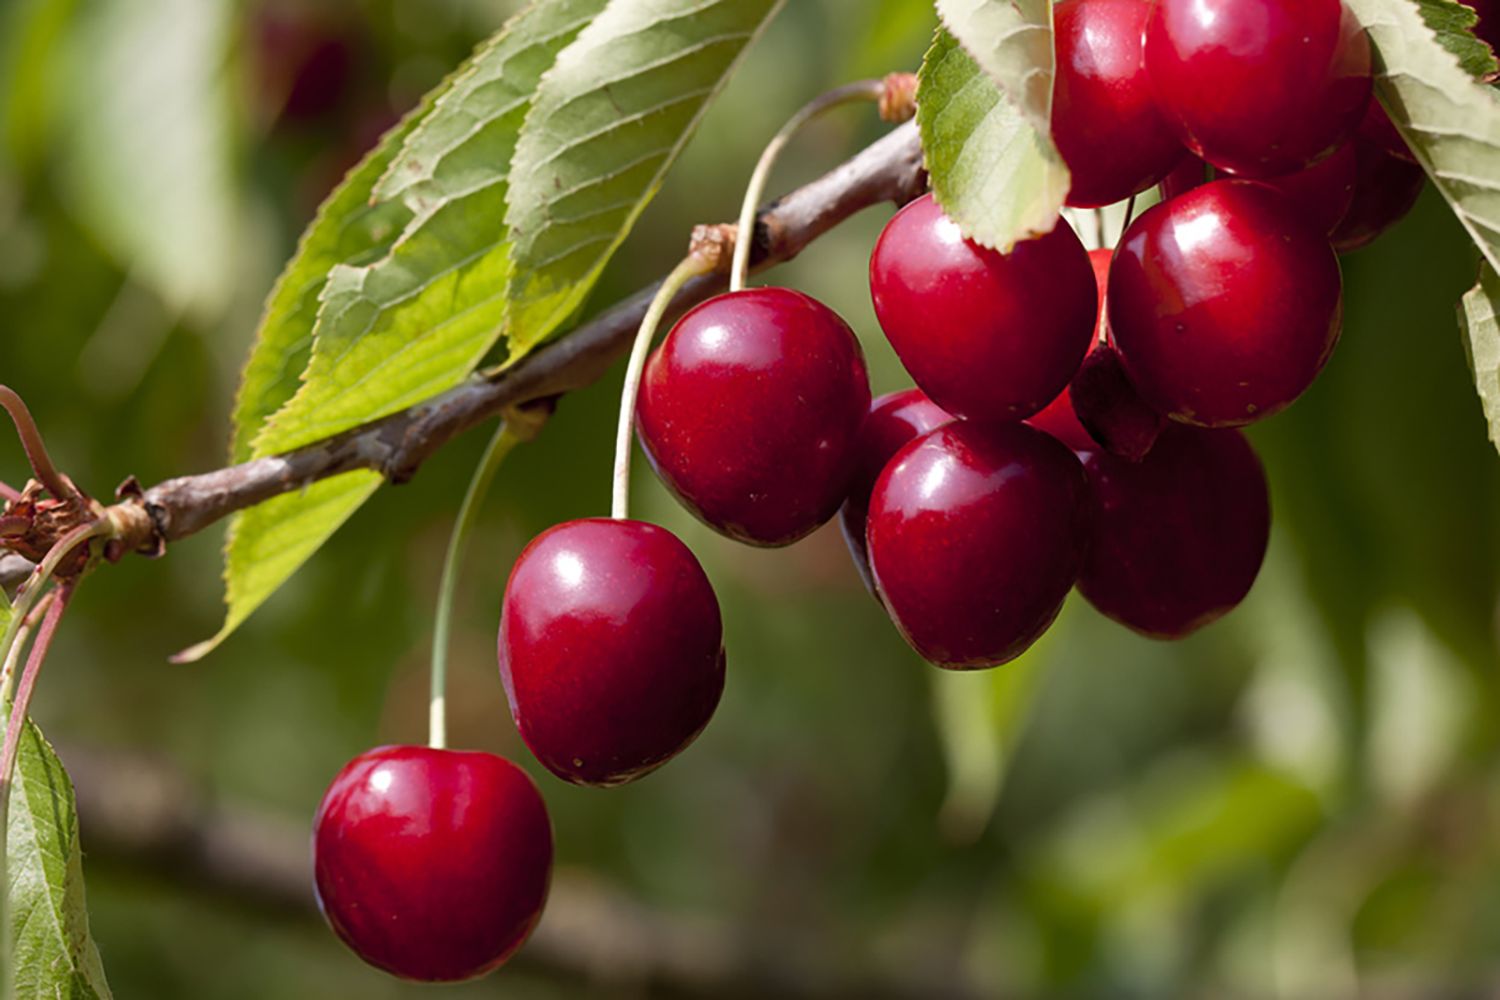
{"x":139,"y":812}
{"x":890,"y":170}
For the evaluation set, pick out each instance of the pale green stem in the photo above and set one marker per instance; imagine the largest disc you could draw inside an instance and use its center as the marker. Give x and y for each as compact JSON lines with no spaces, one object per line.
{"x":500,"y":445}
{"x":692,"y":266}
{"x":864,"y":90}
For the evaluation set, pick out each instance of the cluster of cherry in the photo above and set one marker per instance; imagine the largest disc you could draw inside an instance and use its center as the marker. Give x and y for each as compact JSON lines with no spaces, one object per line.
{"x":1075,"y":424}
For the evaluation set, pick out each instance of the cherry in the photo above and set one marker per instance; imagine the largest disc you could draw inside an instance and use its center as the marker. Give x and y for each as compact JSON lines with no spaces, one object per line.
{"x":1105,"y":121}
{"x":1324,"y":191}
{"x":1179,"y":537}
{"x":1385,"y":190}
{"x":894,"y":419}
{"x":1377,"y":127}
{"x":1190,"y":173}
{"x":1259,"y":87}
{"x":611,"y":649}
{"x":987,"y":336}
{"x":1224,"y":303}
{"x":976,"y":534}
{"x":432,"y":864}
{"x":750,"y":409}
{"x":1100,"y":404}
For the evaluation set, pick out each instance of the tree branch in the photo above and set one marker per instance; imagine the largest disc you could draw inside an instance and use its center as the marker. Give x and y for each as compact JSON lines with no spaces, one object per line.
{"x":889,"y":170}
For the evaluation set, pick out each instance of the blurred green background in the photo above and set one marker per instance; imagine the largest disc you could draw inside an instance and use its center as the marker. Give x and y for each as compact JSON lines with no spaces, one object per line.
{"x":1301,"y":801}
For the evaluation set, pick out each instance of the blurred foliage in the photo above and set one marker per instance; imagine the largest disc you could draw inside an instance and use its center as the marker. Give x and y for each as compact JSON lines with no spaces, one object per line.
{"x":1301,"y":801}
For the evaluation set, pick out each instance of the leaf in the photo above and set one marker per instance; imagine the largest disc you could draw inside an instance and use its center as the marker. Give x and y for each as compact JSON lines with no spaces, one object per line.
{"x":992,"y":172}
{"x":53,"y":955}
{"x":1453,"y":23}
{"x":1011,"y":40}
{"x":1477,"y":316}
{"x":1450,"y":120}
{"x":607,"y":124}
{"x":396,"y":322}
{"x":346,"y":229}
{"x":148,"y":161}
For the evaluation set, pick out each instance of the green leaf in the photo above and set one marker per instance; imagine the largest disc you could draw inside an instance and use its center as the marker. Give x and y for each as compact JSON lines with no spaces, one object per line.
{"x":607,"y":124}
{"x":414,"y":294}
{"x":994,"y":174}
{"x":1477,"y":316}
{"x":348,"y":229}
{"x":1453,"y":23}
{"x":52,"y":954}
{"x":148,"y":162}
{"x":1450,"y":120}
{"x":1011,"y":40}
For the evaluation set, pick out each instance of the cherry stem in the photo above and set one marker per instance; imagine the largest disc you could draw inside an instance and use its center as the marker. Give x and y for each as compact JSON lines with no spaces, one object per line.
{"x":693,"y":265}
{"x":501,"y":445}
{"x":9,"y":492}
{"x":1129,"y":218}
{"x":31,"y":590}
{"x":22,"y":701}
{"x":36,"y":450}
{"x":863,"y":90}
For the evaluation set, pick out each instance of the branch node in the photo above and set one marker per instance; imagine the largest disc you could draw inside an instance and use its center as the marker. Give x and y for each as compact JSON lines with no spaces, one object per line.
{"x":898,"y":98}
{"x":714,"y":244}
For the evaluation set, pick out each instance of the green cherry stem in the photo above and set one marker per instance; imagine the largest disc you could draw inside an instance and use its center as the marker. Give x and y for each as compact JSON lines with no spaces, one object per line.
{"x":863,"y":90}
{"x":501,"y":445}
{"x":693,"y":265}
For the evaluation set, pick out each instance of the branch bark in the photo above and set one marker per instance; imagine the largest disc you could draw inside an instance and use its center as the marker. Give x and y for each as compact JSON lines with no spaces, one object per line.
{"x":889,"y":170}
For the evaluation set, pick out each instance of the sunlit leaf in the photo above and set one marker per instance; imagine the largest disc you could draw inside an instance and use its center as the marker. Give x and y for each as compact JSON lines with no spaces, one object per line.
{"x":1011,"y":40}
{"x":413,"y":298}
{"x":608,"y":122}
{"x":992,"y":172}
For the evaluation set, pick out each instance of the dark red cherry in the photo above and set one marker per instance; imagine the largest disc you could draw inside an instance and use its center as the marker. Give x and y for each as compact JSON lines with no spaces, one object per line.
{"x":1190,"y":173}
{"x":1179,"y":537}
{"x":1324,"y":191}
{"x":1259,"y":88}
{"x":432,"y":864}
{"x":987,"y":336}
{"x":1225,"y":304}
{"x":750,"y":409}
{"x":1385,"y":190}
{"x":1488,"y":28}
{"x":1100,"y":404}
{"x":611,"y":649}
{"x":1109,"y":407}
{"x":895,"y":419}
{"x":1377,"y":127}
{"x":976,"y":534}
{"x":1105,"y":121}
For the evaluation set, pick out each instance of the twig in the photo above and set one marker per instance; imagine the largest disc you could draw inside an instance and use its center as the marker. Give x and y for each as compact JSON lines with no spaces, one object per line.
{"x":889,"y":170}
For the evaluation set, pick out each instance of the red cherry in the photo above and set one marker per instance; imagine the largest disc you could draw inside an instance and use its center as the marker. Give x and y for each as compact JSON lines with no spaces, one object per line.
{"x":1324,"y":191}
{"x":1100,"y":404}
{"x":1105,"y":121}
{"x":1488,"y":28}
{"x":1259,"y":87}
{"x":1180,"y":536}
{"x":1190,"y":173}
{"x":987,"y":336}
{"x":611,"y":649}
{"x":749,"y":412}
{"x":1225,"y":304}
{"x":1377,"y":127}
{"x":894,"y":419}
{"x":976,"y":534}
{"x":432,"y":864}
{"x":1385,"y":190}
